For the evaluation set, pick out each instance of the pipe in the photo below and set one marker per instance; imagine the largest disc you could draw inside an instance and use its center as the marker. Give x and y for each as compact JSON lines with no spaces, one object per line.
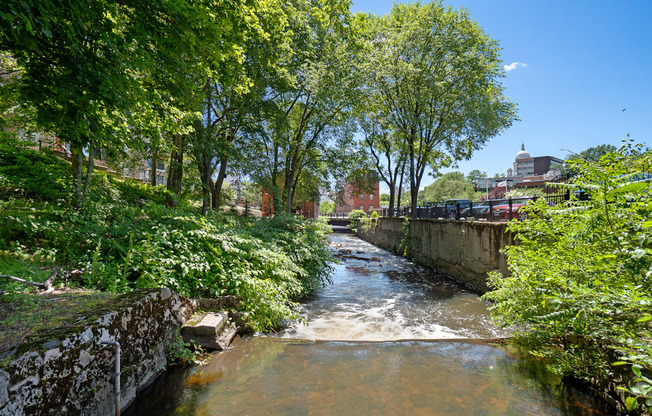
{"x":116,"y":374}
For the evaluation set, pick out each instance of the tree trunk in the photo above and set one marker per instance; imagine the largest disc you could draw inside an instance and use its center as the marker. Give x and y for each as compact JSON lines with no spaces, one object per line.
{"x":76,"y":158}
{"x":152,"y":180}
{"x":400,"y":187}
{"x":205,"y":175}
{"x":217,"y":188}
{"x":89,"y":171}
{"x":288,"y":193}
{"x":176,"y":170}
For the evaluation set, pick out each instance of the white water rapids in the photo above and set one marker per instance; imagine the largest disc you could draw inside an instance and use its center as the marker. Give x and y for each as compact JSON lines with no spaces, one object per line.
{"x":377,"y":296}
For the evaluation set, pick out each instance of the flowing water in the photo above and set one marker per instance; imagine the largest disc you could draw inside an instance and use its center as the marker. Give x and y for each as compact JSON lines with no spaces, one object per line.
{"x":387,"y":337}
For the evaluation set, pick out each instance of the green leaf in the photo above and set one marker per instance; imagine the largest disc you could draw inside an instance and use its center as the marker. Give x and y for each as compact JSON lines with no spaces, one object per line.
{"x":631,"y":403}
{"x":645,"y":318}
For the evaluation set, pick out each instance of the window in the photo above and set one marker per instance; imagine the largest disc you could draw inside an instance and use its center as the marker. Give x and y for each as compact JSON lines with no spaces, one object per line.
{"x":361,"y":207}
{"x":361,"y":196}
{"x":371,"y":207}
{"x":371,"y":197}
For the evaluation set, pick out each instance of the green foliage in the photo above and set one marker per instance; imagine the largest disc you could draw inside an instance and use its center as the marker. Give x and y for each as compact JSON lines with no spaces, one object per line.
{"x":580,"y":289}
{"x":186,"y":352}
{"x":593,"y":154}
{"x":31,"y":174}
{"x":369,"y":222}
{"x":125,"y":240}
{"x":405,"y":240}
{"x":434,"y":79}
{"x":353,"y":217}
{"x":452,"y":185}
{"x":327,"y":207}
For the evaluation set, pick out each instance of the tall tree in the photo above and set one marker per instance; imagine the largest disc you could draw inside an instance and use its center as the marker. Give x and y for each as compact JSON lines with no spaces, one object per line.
{"x":90,"y":66}
{"x":312,"y":122}
{"x":436,"y":74}
{"x":233,"y":106}
{"x":386,"y":152}
{"x":452,"y":185}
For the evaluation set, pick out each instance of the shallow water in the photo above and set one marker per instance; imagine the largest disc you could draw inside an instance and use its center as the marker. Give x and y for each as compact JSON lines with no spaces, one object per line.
{"x":390,"y":298}
{"x":383,"y":339}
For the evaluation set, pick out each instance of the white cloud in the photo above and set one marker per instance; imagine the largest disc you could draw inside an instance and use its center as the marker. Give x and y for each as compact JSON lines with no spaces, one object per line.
{"x":514,"y":65}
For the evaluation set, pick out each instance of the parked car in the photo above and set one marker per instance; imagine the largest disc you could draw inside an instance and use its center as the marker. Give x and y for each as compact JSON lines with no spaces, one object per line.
{"x":501,"y":212}
{"x":448,"y":208}
{"x":481,"y":209}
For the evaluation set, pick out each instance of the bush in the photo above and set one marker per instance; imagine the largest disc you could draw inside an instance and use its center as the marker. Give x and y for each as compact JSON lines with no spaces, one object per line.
{"x":580,"y":289}
{"x":35,"y":175}
{"x":126,"y":239}
{"x":354,"y":216}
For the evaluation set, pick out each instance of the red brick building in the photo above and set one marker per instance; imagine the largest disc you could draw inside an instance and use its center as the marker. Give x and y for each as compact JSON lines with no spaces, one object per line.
{"x":354,"y":198}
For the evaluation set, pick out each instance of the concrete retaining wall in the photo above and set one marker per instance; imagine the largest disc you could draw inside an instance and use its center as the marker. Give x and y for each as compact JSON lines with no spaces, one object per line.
{"x":463,"y":250}
{"x":68,"y":372}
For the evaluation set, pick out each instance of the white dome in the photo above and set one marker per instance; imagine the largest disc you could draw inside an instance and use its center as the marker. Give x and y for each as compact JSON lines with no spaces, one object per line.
{"x":522,"y":154}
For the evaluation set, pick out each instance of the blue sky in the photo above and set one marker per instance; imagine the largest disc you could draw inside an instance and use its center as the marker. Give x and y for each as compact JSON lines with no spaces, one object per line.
{"x":580,"y":64}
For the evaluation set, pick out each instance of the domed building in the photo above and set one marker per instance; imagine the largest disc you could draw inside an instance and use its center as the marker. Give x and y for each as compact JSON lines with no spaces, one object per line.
{"x":523,"y":163}
{"x":526,"y":165}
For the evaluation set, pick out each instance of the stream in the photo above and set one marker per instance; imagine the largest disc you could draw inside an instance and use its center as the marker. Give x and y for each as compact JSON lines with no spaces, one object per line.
{"x":386,"y":337}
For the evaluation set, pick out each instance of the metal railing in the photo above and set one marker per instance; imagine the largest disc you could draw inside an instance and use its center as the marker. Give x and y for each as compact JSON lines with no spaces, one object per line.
{"x":498,"y":210}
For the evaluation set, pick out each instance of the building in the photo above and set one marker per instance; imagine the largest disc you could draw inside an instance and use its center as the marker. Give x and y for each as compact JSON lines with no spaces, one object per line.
{"x":527,"y":166}
{"x":528,"y":171}
{"x":308,"y":209}
{"x":354,"y":198}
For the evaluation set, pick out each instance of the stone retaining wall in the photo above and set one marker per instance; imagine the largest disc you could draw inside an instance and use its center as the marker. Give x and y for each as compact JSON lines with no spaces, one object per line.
{"x":68,"y":372}
{"x":463,"y":250}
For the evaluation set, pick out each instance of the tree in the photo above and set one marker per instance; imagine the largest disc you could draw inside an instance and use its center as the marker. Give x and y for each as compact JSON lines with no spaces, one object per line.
{"x":452,"y":185}
{"x":92,"y":69}
{"x":234,"y":105}
{"x":436,"y":74}
{"x":327,"y":207}
{"x":475,"y":174}
{"x":593,"y":154}
{"x":309,"y":132}
{"x":388,"y":155}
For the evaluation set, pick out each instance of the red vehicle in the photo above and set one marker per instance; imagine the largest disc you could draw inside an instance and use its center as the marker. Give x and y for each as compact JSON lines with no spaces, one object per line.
{"x":501,"y":212}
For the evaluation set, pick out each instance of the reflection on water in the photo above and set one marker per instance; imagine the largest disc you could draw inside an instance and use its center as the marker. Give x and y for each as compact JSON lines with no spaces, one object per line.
{"x":272,"y":376}
{"x":390,"y":298}
{"x":384,"y":300}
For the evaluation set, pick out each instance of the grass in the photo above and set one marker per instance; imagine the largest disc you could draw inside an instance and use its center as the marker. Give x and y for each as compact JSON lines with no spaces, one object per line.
{"x":25,"y":314}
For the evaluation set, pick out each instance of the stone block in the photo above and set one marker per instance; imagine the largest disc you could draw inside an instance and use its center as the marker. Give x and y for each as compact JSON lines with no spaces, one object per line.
{"x":211,"y":330}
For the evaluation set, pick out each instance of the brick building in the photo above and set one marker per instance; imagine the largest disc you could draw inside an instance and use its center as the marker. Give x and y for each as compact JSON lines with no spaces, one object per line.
{"x":354,"y":198}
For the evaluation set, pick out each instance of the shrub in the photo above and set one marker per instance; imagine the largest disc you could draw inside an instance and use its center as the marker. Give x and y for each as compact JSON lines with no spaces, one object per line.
{"x":580,"y":289}
{"x":35,"y":175}
{"x":354,"y":216}
{"x":126,"y":239}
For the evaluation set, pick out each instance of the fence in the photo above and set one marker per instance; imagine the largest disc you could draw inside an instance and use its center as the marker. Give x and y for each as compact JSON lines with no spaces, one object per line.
{"x":494,"y":210}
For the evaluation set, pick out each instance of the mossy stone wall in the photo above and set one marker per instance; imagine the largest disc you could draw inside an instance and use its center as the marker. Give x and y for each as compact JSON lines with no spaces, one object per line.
{"x":68,"y":372}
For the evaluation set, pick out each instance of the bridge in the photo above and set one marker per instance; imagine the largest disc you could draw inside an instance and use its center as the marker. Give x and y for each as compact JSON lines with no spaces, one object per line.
{"x":339,"y":219}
